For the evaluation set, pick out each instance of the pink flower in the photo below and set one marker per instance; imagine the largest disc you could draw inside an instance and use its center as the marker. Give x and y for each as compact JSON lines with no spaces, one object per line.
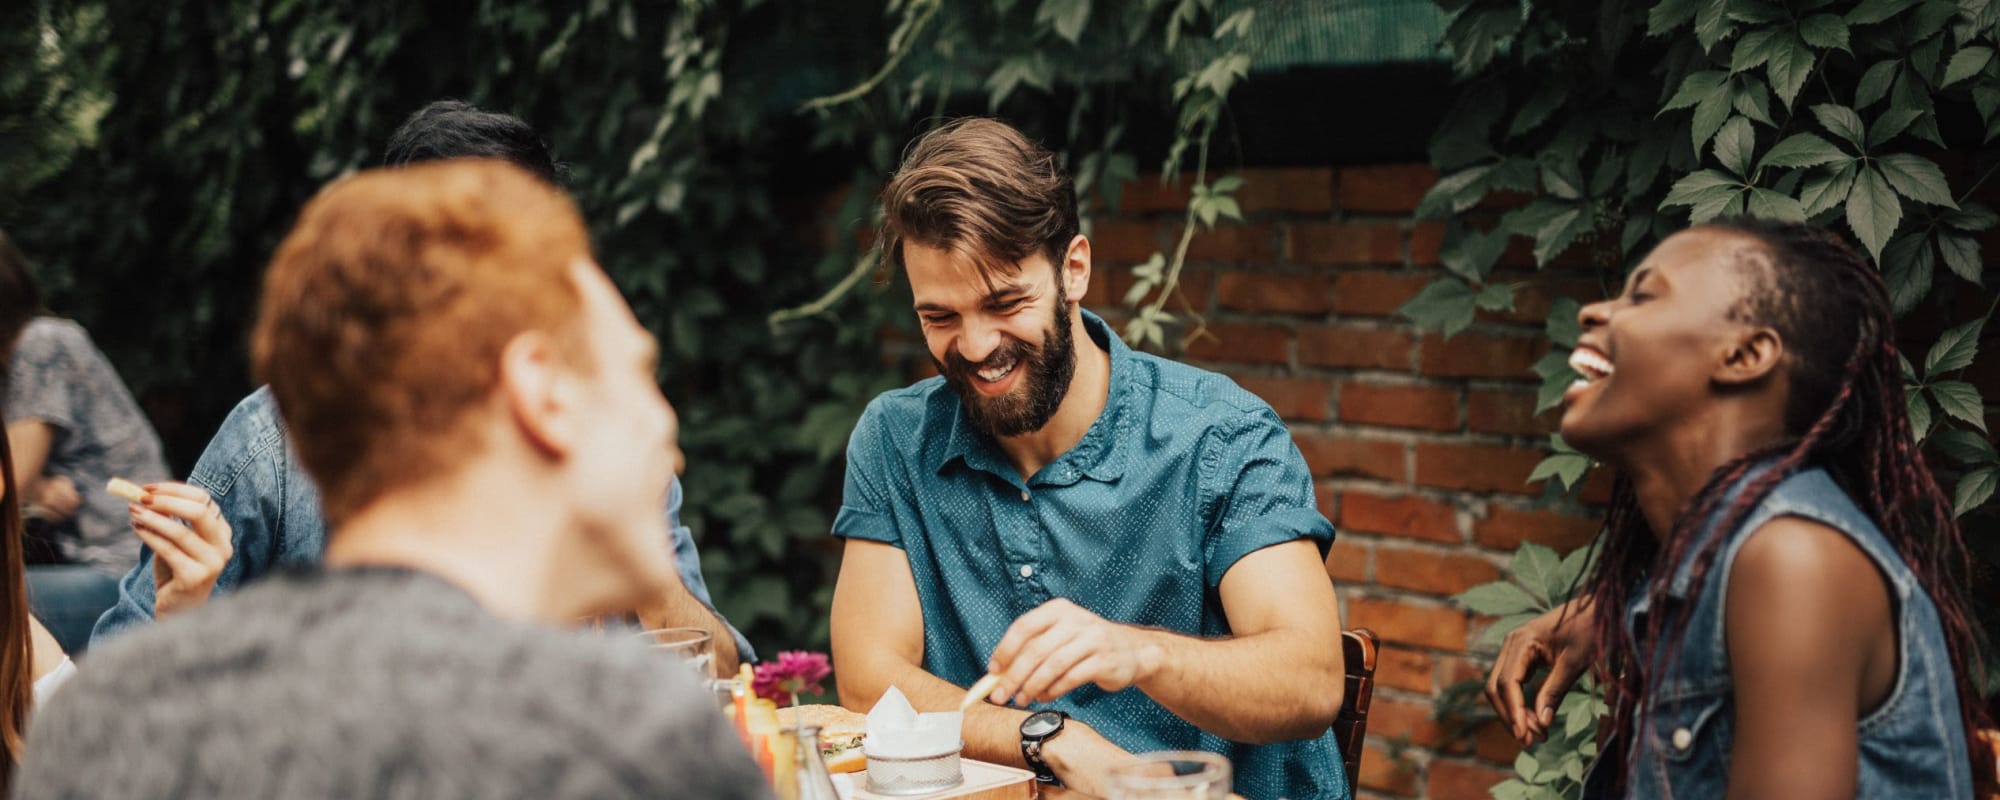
{"x":791,"y":674}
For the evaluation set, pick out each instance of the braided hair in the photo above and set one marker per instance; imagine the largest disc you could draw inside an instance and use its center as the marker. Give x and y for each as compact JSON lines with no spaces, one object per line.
{"x":1846,"y":414}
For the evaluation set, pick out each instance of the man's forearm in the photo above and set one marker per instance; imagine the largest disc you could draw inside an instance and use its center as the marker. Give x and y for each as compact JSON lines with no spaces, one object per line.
{"x":679,"y":609}
{"x":992,"y":733}
{"x":1278,"y":685}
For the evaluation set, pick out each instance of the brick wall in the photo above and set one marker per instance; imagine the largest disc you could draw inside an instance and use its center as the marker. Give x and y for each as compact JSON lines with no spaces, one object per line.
{"x":1420,"y":446}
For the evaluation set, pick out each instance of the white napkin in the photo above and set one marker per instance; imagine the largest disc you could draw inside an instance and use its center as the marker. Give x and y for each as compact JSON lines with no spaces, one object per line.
{"x":896,"y":730}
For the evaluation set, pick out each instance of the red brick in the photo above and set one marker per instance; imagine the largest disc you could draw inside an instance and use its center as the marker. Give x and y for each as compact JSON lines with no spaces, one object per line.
{"x":1124,"y":240}
{"x":1478,"y":355}
{"x":1346,"y":243}
{"x":1409,"y":670}
{"x":1390,"y":187}
{"x":1382,"y":773}
{"x":1192,"y":292}
{"x":1238,"y":242}
{"x":1426,"y":243}
{"x":1289,"y":294}
{"x":1409,"y":517}
{"x":1347,"y":456}
{"x":1347,"y":562}
{"x":1148,"y":193}
{"x":1293,"y":398}
{"x":1304,"y":190}
{"x":1433,"y":572}
{"x":1355,"y":346}
{"x":1435,"y":626}
{"x":1375,"y":293}
{"x":1248,"y":344}
{"x":1492,"y":742}
{"x":1393,"y":719}
{"x":1462,"y":780}
{"x":1506,"y":528}
{"x":1100,"y":292}
{"x":1460,"y":669}
{"x":1427,"y":407}
{"x":1477,"y":467}
{"x":1597,"y":487}
{"x":1512,"y":413}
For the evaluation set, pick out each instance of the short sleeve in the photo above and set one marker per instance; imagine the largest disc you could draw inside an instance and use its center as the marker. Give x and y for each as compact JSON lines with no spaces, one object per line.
{"x":871,"y":463}
{"x":43,"y":373}
{"x":1265,"y":497}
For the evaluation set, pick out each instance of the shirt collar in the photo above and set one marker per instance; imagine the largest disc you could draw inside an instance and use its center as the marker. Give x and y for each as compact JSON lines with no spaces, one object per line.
{"x":1094,"y":456}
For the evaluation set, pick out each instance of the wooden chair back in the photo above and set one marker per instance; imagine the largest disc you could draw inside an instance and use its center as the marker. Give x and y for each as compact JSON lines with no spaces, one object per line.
{"x":1351,"y":727}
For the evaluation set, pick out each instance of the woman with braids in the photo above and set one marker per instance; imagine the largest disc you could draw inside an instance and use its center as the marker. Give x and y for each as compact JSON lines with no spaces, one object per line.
{"x":1773,"y":610}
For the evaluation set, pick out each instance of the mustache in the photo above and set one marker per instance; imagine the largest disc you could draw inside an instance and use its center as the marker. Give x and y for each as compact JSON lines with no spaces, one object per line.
{"x":1014,"y":351}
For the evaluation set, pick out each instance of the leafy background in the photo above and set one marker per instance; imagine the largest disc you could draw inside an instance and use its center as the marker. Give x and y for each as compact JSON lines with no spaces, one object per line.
{"x":726,"y":151}
{"x":1593,"y":130}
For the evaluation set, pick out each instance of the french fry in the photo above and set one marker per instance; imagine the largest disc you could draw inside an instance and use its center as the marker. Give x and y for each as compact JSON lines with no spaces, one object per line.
{"x":978,"y":692}
{"x":126,"y":489}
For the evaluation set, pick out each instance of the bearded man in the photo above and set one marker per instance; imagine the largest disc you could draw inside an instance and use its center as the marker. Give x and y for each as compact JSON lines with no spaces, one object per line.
{"x":1128,"y":544}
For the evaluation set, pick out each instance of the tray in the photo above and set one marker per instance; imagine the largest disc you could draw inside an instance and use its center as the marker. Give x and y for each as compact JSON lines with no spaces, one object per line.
{"x":983,"y":781}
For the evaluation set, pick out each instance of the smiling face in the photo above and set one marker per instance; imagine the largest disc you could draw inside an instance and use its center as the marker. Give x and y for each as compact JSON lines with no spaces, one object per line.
{"x":1006,"y":345}
{"x":1653,"y":356}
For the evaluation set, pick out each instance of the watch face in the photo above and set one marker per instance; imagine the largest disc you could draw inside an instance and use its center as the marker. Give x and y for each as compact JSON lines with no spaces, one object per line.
{"x":1042,"y":723}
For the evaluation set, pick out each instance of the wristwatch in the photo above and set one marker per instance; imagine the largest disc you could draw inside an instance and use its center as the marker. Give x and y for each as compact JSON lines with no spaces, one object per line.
{"x":1036,"y":730}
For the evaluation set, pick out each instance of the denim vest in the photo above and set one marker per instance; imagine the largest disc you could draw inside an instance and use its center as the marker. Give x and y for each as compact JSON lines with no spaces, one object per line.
{"x":1913,"y":745}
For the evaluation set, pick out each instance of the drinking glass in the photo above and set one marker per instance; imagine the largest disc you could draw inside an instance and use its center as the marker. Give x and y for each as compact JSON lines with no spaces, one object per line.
{"x":694,"y":646}
{"x":1172,"y":775}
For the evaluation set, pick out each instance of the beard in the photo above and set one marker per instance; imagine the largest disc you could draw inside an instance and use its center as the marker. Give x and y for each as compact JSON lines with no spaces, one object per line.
{"x":1049,"y":368}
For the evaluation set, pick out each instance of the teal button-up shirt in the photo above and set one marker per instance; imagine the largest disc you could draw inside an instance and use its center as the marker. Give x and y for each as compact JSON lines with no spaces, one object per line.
{"x":1182,"y":475}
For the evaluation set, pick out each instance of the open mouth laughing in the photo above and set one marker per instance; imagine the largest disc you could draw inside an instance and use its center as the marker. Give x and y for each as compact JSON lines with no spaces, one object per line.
{"x":1592,"y":364}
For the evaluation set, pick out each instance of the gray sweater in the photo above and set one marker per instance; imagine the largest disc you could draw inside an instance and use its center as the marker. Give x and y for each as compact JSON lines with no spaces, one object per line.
{"x":377,"y":684}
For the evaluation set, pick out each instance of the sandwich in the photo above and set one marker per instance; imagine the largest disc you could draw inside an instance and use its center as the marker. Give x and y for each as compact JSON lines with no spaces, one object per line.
{"x":840,"y":734}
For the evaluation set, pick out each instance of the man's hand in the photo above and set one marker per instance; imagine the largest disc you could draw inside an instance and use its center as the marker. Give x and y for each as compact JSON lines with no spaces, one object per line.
{"x":54,"y":497}
{"x":1060,"y":646}
{"x":1566,"y":650}
{"x":191,"y":544}
{"x":1082,"y":758}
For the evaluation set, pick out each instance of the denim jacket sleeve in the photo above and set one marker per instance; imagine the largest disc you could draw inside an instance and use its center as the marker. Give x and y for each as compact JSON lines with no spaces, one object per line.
{"x":688,"y":562}
{"x":272,"y":508}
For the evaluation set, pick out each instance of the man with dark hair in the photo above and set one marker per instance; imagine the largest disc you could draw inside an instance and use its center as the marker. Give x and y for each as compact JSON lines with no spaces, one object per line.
{"x":1128,"y":543}
{"x":492,"y":446}
{"x":456,"y":129}
{"x":252,"y":472}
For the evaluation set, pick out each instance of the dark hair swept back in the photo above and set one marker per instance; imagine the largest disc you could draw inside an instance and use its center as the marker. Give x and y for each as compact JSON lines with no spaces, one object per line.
{"x":982,"y":189}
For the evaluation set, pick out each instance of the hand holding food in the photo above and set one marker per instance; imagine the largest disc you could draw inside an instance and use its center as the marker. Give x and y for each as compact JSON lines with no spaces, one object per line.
{"x":1060,"y":646}
{"x":191,"y":542}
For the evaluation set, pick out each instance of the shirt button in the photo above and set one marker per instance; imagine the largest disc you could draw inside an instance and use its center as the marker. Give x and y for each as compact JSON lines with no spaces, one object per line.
{"x":1683,"y":739}
{"x":1027,"y":571}
{"x":1024,"y":495}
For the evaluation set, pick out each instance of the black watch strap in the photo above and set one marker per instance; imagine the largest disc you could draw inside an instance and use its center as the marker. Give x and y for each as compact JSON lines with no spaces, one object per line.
{"x":1031,"y":750}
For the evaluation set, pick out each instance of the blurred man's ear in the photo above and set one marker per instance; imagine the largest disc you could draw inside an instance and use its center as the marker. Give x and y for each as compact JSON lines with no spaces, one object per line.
{"x":540,"y":396}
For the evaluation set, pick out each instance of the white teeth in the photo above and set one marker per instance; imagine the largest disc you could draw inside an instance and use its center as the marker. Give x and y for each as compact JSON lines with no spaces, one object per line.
{"x":1590,"y":364}
{"x":1579,"y":384}
{"x":994,"y":374}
